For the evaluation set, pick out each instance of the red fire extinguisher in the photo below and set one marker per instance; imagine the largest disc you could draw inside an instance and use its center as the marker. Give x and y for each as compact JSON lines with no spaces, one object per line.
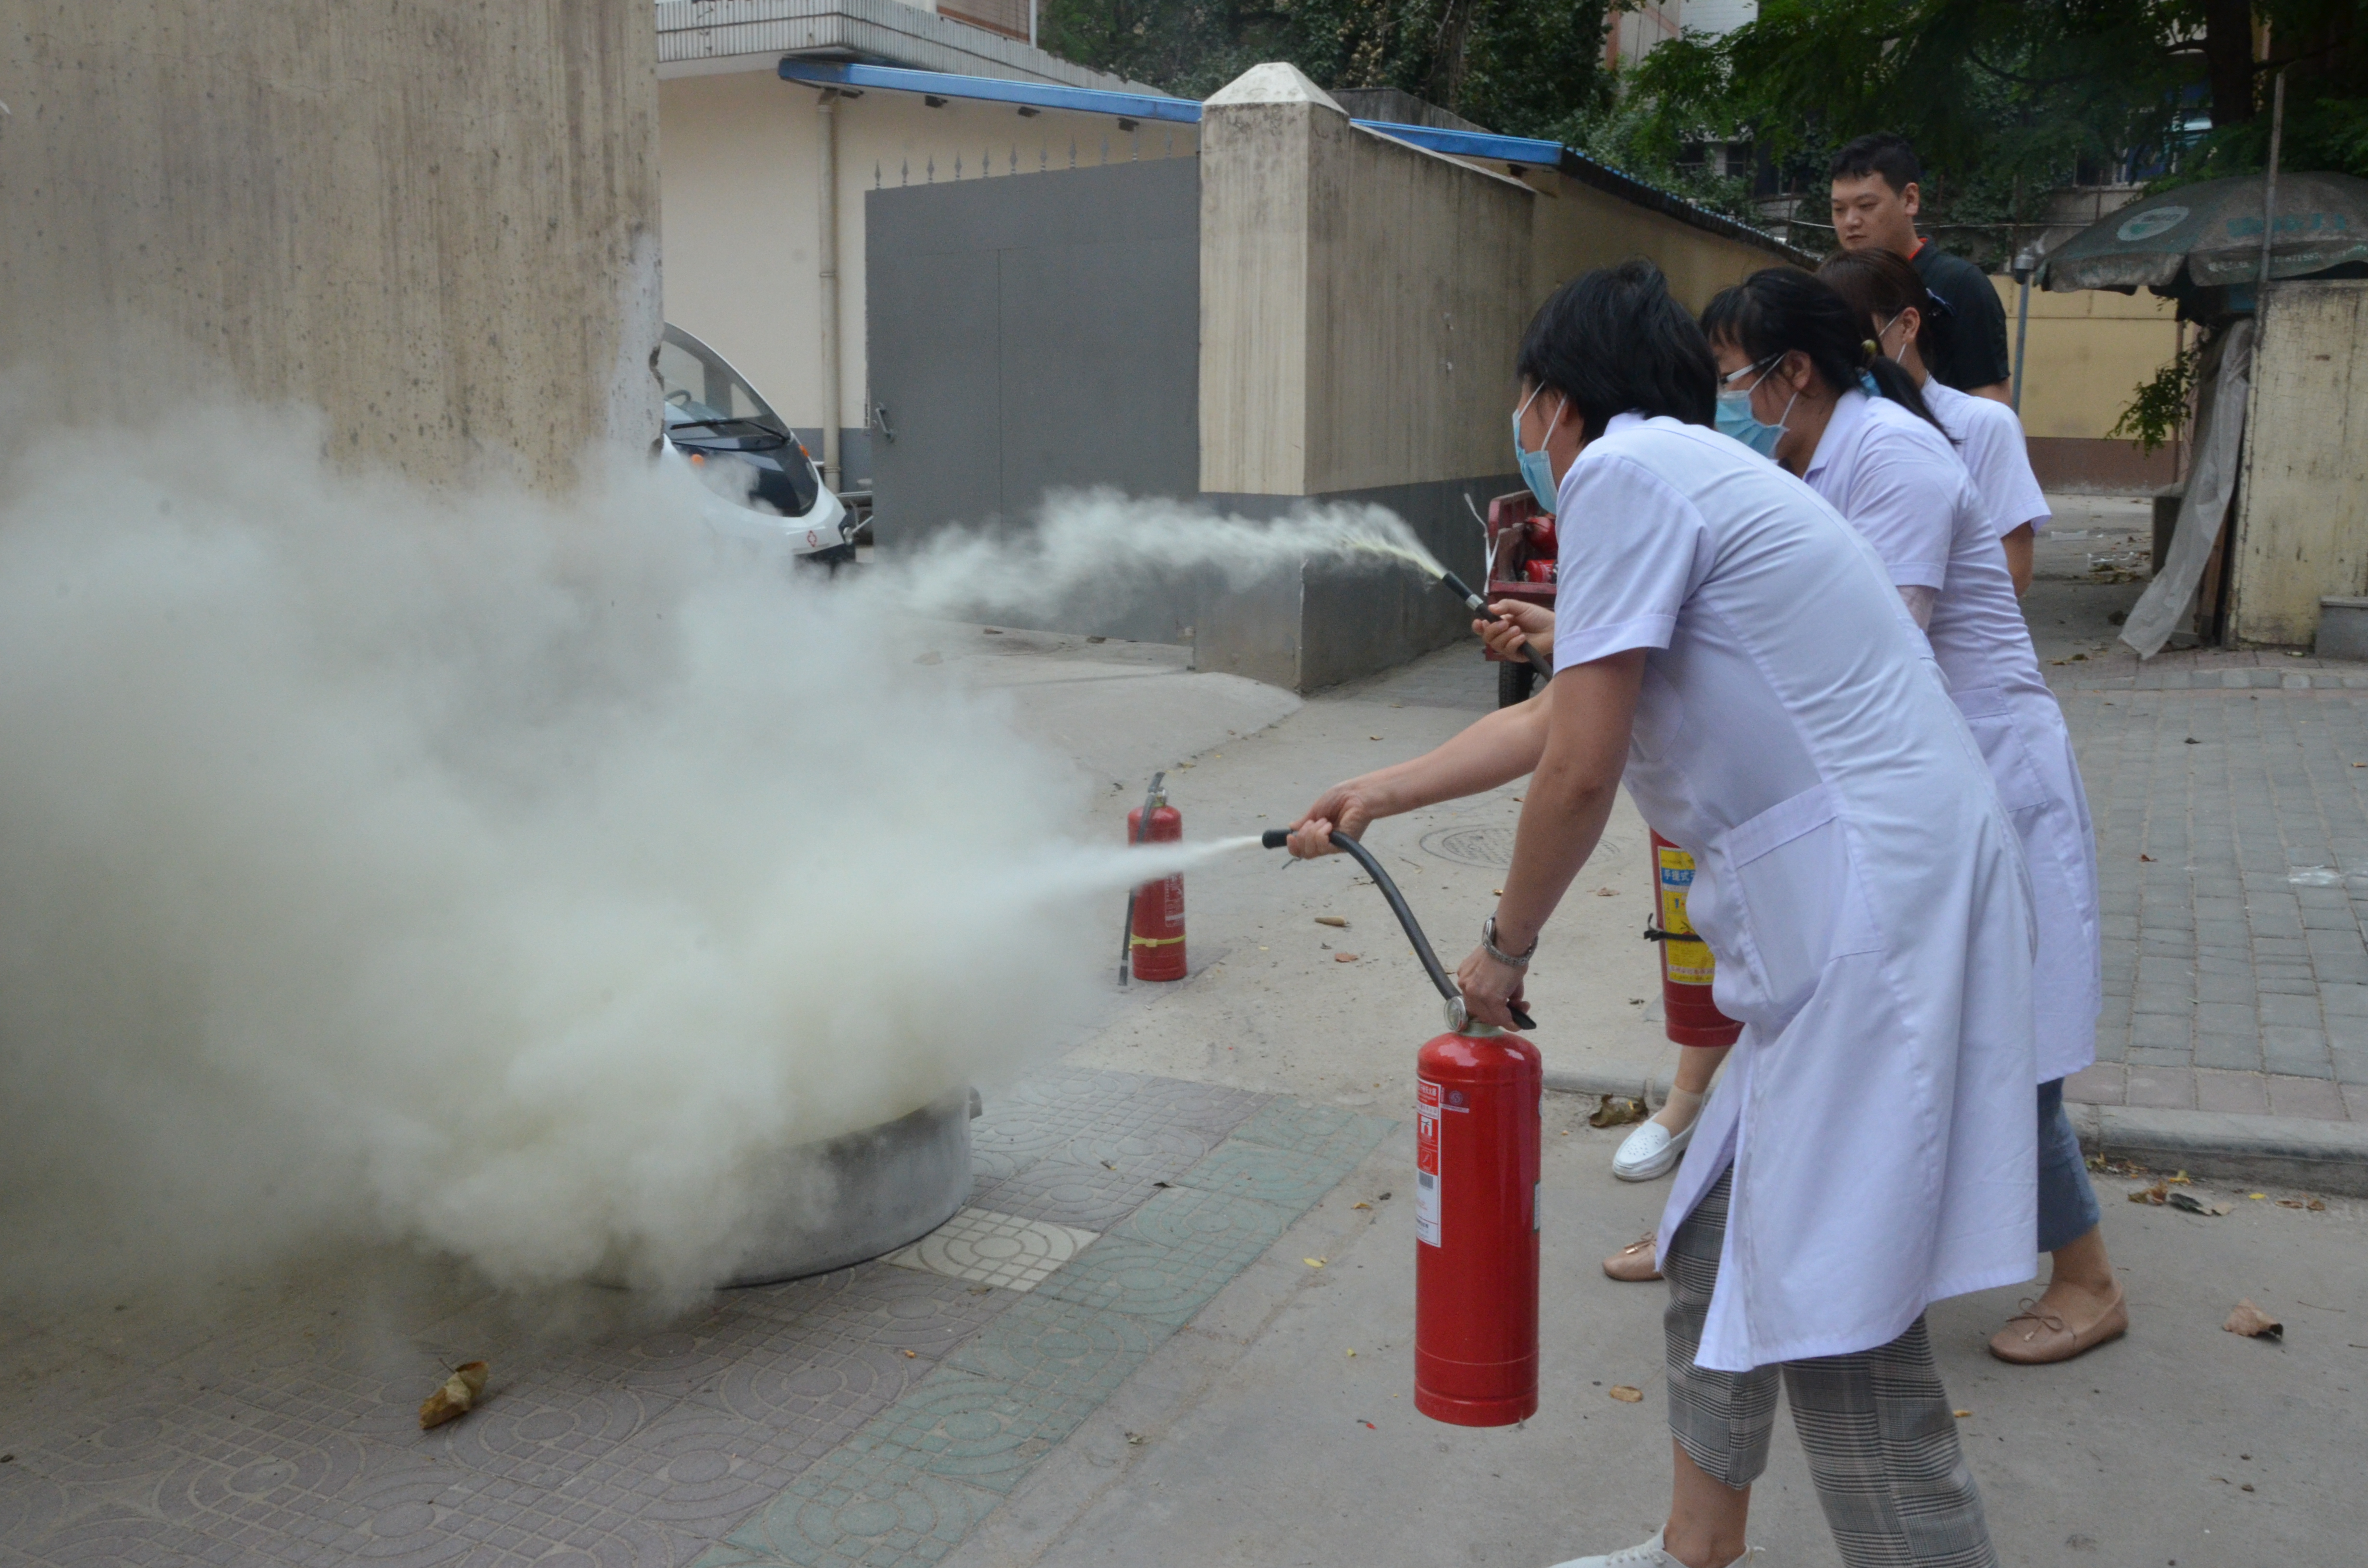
{"x":1478,"y":1136}
{"x":1686,"y":964}
{"x":1477,"y":1139}
{"x":1155,"y":912}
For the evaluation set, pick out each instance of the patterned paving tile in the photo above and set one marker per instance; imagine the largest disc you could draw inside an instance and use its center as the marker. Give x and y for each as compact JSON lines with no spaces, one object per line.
{"x":821,"y":1391}
{"x":399,"y":1514}
{"x":124,"y":1538}
{"x":978,"y":1431}
{"x":870,"y":1504}
{"x":1288,"y":1123}
{"x":1075,"y":1352}
{"x":1139,"y":1145}
{"x":993,"y":1249}
{"x":1023,"y":1124}
{"x":876,"y":1303}
{"x":1287,"y":1179}
{"x":1211,"y":1108}
{"x":1175,"y":1252}
{"x":1087,"y":1196}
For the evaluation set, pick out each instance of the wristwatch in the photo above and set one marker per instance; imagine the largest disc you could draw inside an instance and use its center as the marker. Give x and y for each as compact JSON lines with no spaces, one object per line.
{"x":1489,"y":945}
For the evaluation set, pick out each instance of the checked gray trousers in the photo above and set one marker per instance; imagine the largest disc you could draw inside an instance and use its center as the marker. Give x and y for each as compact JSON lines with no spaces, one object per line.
{"x":1880,"y":1438}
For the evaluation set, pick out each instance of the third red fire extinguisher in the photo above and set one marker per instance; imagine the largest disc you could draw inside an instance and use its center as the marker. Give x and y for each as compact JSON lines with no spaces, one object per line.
{"x":1686,"y":964}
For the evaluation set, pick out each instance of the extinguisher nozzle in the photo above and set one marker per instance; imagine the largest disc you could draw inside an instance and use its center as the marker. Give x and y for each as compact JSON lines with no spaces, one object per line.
{"x":1274,"y":838}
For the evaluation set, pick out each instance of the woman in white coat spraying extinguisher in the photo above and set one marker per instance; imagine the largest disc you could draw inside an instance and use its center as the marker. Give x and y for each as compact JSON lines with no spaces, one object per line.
{"x":1856,"y":873}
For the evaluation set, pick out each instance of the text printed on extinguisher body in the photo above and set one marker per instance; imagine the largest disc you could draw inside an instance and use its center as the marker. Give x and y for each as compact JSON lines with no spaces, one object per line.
{"x":1425,"y":1164}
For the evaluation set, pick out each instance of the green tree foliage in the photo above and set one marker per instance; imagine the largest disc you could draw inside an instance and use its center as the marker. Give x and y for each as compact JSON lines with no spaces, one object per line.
{"x":2008,"y":96}
{"x":1523,"y":67}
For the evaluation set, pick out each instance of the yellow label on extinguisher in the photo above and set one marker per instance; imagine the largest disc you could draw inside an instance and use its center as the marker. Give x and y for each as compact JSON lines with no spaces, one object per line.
{"x":1687,"y":955}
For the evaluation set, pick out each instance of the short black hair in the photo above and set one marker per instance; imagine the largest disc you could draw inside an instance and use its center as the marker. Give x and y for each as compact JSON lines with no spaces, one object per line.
{"x":1881,"y":153}
{"x":1614,"y":341}
{"x":1783,"y":309}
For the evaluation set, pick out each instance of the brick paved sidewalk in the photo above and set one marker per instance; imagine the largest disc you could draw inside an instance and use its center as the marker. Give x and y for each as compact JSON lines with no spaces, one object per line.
{"x":2230,"y":791}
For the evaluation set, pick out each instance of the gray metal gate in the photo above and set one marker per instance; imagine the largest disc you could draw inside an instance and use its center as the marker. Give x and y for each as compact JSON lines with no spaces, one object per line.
{"x":1029,"y":333}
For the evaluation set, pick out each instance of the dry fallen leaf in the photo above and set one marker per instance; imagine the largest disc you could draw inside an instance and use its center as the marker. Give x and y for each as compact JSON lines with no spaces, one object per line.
{"x":1617,"y":1110}
{"x":1353,"y":1352}
{"x":1344,"y":958}
{"x":1331,"y":920}
{"x":1962,"y":1414}
{"x":1135,"y":1439}
{"x":1607,"y":892}
{"x":1312,"y":1262}
{"x":1361,"y":1206}
{"x":2180,"y":1180}
{"x":2192,"y":1204}
{"x":2317,"y":1205}
{"x":1372,"y":737}
{"x":2254,"y":1324}
{"x":456,"y":1398}
{"x":2289,"y":1202}
{"x":2256,"y":1195}
{"x":1625,"y":1394}
{"x":2157,"y":1193}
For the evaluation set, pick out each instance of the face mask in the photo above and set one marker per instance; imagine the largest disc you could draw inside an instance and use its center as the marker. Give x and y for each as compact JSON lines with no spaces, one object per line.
{"x":1735,"y":420}
{"x":1536,"y":471}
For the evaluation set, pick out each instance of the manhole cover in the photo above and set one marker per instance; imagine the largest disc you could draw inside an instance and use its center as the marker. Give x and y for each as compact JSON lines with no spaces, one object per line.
{"x":1494,"y":845}
{"x":1471,"y":846}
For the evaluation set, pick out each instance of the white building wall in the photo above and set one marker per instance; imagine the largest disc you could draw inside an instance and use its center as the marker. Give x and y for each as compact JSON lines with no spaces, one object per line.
{"x":741,"y":203}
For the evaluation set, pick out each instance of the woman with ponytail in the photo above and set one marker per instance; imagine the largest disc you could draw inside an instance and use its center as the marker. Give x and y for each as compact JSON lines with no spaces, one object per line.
{"x":2018,"y":722}
{"x":1889,"y":293}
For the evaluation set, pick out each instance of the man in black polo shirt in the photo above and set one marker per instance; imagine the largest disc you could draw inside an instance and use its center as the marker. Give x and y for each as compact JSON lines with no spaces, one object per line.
{"x":1877,"y":194}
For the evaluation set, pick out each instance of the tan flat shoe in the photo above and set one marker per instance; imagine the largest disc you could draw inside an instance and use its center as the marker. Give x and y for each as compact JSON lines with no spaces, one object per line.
{"x":2033,"y":1338}
{"x":1634,"y":1264}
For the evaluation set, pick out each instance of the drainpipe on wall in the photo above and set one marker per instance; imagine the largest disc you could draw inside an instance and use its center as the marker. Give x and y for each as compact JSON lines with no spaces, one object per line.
{"x":826,"y":244}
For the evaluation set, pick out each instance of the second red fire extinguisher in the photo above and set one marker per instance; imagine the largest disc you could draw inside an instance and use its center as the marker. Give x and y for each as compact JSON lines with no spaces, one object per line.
{"x":1155,"y":924}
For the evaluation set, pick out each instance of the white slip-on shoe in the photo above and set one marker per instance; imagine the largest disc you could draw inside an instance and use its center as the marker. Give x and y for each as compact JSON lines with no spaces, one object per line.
{"x":1651,"y":1150}
{"x":1645,"y":1554}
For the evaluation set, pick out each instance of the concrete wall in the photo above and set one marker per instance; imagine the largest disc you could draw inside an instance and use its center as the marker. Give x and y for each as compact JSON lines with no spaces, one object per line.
{"x":1361,"y":302}
{"x":2302,"y":508}
{"x":1578,"y":227}
{"x":436,"y":222}
{"x":742,"y":195}
{"x":2087,"y":351}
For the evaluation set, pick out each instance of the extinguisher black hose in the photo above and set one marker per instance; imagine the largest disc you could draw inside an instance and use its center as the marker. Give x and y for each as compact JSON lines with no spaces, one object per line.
{"x":1479,"y":606}
{"x":1276,"y":837}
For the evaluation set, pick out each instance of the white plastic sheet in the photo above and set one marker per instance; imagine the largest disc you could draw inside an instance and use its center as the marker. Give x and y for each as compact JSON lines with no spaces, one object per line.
{"x":2210,"y":483}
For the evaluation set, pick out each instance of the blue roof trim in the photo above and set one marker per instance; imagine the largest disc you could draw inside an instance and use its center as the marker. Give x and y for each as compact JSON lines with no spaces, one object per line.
{"x":1187,"y":111}
{"x":1471,"y":143}
{"x":1034,"y":95}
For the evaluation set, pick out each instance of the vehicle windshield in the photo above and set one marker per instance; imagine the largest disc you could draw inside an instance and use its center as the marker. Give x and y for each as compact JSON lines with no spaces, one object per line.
{"x":701,"y":390}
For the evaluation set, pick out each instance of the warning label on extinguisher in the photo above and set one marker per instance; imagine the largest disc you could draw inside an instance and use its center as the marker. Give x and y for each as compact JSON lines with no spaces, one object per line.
{"x":1685,"y":957}
{"x":1426,"y":1162}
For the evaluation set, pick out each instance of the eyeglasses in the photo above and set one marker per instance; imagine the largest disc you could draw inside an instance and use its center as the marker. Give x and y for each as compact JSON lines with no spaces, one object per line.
{"x":1726,"y":382}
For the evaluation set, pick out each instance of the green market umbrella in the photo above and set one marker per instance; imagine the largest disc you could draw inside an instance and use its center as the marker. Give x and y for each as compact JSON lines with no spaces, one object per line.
{"x":2208,"y":235}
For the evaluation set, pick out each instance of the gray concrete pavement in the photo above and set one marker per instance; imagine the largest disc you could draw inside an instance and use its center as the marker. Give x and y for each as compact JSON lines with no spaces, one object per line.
{"x":1290,"y":1450}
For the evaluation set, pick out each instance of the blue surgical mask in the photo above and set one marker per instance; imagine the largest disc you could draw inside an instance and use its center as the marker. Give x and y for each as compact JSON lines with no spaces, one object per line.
{"x":1735,"y":420}
{"x":1536,"y":471}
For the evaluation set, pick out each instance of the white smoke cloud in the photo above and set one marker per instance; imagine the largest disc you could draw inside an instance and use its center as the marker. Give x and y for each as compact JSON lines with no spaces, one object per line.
{"x":511,"y":878}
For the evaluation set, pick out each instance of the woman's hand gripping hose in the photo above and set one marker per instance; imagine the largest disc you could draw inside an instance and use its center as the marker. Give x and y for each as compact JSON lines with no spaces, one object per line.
{"x":1479,"y":606}
{"x":1457,"y":1019}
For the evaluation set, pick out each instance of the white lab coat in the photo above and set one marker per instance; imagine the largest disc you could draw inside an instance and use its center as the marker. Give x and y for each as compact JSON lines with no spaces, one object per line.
{"x":1988,"y":439}
{"x":1855,"y":875}
{"x":1896,"y":480}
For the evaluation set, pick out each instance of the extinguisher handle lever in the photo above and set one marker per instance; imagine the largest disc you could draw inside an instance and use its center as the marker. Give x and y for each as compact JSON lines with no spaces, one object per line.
{"x":1276,"y":837}
{"x":1479,"y":606}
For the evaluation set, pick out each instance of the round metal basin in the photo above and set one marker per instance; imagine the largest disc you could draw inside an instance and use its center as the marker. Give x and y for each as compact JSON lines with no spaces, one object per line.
{"x":885,"y":1187}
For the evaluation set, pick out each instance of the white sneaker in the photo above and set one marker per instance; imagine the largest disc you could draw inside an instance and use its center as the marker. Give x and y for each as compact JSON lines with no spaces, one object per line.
{"x":1651,"y":1150}
{"x":1647,"y":1554}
